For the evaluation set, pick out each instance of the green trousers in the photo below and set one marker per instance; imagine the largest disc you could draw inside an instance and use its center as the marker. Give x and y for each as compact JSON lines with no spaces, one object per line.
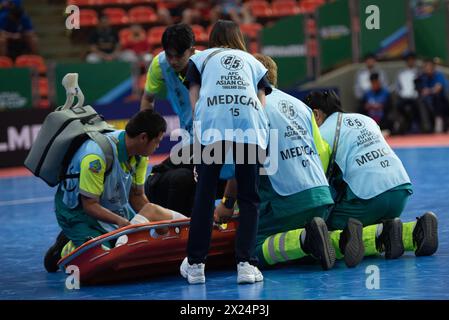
{"x":387,"y":205}
{"x":370,"y":213}
{"x":278,"y":236}
{"x":76,"y":224}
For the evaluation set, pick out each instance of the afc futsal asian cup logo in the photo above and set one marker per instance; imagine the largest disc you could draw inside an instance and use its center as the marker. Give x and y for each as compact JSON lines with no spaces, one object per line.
{"x":287,"y":109}
{"x":231,"y":62}
{"x":354,"y":123}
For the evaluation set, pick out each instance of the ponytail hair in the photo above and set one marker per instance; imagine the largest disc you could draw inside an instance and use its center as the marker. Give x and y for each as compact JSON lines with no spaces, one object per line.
{"x":327,"y":101}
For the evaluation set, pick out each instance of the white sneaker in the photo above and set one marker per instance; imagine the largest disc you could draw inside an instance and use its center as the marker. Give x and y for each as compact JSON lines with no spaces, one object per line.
{"x":194,"y":273}
{"x":247,"y":273}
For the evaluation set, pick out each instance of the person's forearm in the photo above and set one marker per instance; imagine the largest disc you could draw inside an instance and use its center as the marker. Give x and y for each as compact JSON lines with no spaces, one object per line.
{"x":138,"y":201}
{"x":147,"y":102}
{"x":98,"y":212}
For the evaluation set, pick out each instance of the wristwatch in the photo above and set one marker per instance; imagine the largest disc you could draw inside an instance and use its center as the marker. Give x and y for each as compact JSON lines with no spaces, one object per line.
{"x":228,"y":202}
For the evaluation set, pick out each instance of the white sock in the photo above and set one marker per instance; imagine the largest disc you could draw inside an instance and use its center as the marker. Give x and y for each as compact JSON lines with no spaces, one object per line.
{"x":177,"y":215}
{"x":138,"y":219}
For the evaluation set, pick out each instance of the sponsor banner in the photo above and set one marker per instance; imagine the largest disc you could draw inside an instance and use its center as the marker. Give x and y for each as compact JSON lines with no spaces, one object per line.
{"x":334,"y":34}
{"x":19,"y":128}
{"x":15,"y":93}
{"x":389,"y":38}
{"x":102,"y":83}
{"x":285,"y":43}
{"x":430,"y":28}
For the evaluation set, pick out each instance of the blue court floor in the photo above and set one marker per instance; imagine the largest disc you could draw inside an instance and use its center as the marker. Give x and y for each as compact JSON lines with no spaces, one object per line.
{"x":28,"y":227}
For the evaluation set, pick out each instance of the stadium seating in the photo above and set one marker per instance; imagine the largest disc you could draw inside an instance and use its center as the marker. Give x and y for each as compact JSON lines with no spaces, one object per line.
{"x":200,"y":34}
{"x":82,"y":3}
{"x":309,"y":6}
{"x":142,"y":15}
{"x":117,"y":16}
{"x":124,"y":35}
{"x":251,"y":30}
{"x":32,"y":61}
{"x":6,"y":62}
{"x":43,"y":87}
{"x":155,"y":35}
{"x":260,"y":9}
{"x":284,"y":8}
{"x":88,"y":18}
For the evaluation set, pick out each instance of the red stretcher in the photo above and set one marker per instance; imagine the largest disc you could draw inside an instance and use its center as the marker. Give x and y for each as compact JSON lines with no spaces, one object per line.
{"x":144,"y":255}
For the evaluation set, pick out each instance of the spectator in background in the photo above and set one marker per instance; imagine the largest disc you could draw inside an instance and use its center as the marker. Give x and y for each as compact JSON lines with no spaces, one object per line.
{"x":433,"y":88}
{"x":231,"y":9}
{"x":170,"y":11}
{"x":408,"y":106}
{"x":17,"y":35}
{"x":197,"y":12}
{"x":105,"y":46}
{"x":138,"y":44}
{"x":362,"y":80}
{"x":376,"y":103}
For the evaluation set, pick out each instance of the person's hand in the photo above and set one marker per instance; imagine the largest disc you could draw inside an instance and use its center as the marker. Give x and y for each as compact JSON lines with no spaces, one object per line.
{"x":222,"y":214}
{"x":122,"y":222}
{"x":425,"y":91}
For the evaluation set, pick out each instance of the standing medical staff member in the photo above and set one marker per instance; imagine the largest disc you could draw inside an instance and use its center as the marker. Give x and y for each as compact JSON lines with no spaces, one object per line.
{"x":370,"y":183}
{"x":227,"y":92}
{"x":171,"y":184}
{"x":295,"y":198}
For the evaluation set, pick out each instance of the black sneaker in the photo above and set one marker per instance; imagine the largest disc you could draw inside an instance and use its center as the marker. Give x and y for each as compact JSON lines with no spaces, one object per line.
{"x":53,"y":254}
{"x":390,"y":240}
{"x":317,"y":243}
{"x":351,"y":243}
{"x":425,"y":234}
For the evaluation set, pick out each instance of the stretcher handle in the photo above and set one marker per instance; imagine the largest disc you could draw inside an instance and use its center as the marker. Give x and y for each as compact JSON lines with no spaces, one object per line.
{"x":72,"y":90}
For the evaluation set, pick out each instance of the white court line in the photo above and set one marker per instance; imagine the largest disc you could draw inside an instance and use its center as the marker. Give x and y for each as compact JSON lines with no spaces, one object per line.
{"x":25,"y":201}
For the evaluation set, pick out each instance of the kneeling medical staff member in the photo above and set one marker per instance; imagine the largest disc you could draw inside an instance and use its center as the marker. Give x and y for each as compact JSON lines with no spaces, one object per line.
{"x":95,"y":203}
{"x":369,"y":183}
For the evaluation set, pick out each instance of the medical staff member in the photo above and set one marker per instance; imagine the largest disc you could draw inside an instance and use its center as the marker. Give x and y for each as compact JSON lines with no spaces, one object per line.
{"x":166,"y":75}
{"x":227,"y":91}
{"x":93,"y":202}
{"x":369,"y":183}
{"x":295,"y":198}
{"x":171,"y":183}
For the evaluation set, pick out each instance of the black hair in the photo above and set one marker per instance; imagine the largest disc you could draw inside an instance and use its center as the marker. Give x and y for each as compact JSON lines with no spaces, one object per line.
{"x":326,"y":101}
{"x":370,"y":56}
{"x":148,"y":121}
{"x":374,"y":76}
{"x":179,"y":37}
{"x":409,"y":55}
